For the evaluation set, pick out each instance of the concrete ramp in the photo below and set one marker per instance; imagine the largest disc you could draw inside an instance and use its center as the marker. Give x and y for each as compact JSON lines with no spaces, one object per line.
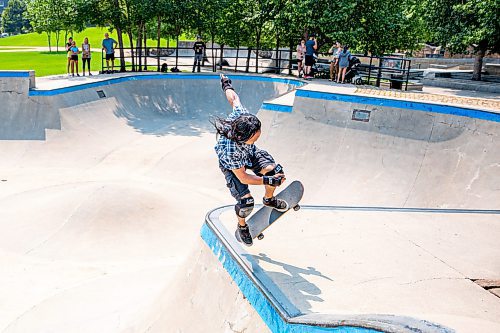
{"x":105,"y":183}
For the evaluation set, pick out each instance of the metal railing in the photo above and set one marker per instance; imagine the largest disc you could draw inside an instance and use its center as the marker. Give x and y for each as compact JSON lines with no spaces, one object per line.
{"x":373,"y":70}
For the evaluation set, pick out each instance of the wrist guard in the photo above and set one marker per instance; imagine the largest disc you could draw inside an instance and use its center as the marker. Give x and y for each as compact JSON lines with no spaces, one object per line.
{"x":225,"y":83}
{"x":272,"y":180}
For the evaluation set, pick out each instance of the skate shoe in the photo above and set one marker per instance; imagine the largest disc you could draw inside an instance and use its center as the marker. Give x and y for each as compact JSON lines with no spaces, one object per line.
{"x":244,"y":233}
{"x":278,"y":204}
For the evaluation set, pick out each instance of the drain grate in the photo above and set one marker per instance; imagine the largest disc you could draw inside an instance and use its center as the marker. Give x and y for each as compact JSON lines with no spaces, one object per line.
{"x":493,"y":286}
{"x":361,"y":115}
{"x":101,"y":93}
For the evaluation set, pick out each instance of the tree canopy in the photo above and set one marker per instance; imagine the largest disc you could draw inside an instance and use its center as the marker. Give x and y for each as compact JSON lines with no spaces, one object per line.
{"x":14,"y":19}
{"x":368,"y":26}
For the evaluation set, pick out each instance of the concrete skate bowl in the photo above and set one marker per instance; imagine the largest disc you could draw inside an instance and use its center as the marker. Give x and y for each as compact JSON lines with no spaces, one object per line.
{"x":101,"y":199}
{"x":426,"y":174}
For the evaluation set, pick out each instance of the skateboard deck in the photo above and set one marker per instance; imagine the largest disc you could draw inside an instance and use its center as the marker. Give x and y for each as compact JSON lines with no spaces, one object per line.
{"x":266,"y":216}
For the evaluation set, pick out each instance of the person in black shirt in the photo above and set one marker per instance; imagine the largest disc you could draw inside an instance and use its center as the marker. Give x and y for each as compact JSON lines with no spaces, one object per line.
{"x":199,"y":50}
{"x":69,"y":53}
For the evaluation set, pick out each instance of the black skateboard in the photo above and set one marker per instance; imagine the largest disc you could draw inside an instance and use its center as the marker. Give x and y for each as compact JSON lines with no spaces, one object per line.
{"x":266,"y":216}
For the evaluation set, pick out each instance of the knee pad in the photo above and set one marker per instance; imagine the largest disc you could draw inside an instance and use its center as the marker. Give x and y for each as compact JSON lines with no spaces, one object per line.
{"x":277,"y":169}
{"x":244,"y":207}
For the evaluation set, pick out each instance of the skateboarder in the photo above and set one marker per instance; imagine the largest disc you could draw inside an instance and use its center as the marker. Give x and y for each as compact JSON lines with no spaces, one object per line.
{"x":237,"y":153}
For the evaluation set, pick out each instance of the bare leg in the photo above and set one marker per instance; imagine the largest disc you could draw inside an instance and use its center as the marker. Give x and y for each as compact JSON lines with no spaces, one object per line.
{"x":343,"y":74}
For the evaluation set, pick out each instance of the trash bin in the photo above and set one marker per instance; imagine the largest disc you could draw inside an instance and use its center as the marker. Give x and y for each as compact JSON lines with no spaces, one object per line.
{"x":396,"y":82}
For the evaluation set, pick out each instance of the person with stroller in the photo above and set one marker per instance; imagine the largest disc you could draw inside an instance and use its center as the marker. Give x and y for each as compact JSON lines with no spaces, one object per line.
{"x":301,"y":51}
{"x":334,"y":62}
{"x":344,"y":57}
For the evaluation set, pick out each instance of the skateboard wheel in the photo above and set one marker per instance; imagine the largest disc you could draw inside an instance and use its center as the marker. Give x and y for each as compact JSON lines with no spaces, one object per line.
{"x":296,"y":208}
{"x":260,"y":237}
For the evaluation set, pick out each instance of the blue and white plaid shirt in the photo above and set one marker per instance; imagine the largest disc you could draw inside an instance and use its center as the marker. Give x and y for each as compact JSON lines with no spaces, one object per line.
{"x":233,"y":155}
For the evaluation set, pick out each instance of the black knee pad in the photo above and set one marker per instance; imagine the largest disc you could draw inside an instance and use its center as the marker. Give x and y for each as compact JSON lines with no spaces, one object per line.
{"x":277,"y":169}
{"x":244,"y":207}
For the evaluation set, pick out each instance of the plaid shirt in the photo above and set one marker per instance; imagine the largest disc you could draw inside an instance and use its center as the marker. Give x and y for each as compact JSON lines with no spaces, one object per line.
{"x":233,"y":155}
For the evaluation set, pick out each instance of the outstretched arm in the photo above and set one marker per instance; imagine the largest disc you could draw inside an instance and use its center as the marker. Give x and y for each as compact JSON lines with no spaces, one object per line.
{"x":231,"y":95}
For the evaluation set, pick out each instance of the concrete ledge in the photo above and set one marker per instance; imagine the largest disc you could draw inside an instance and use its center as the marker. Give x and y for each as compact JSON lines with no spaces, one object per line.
{"x":279,"y":314}
{"x":463,"y":84}
{"x":20,"y":74}
{"x":397,"y":103}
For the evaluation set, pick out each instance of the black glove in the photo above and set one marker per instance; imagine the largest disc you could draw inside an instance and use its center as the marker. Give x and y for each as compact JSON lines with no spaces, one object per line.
{"x":273,"y":180}
{"x":225,"y":83}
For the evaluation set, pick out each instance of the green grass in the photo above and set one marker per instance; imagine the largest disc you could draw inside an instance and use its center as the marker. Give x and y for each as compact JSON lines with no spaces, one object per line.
{"x":14,"y":48}
{"x":95,"y":36}
{"x":44,"y":63}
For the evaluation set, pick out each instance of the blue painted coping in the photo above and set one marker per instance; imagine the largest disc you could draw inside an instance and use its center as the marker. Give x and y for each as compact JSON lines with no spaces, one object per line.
{"x":419,"y":106}
{"x":173,"y":76}
{"x":277,"y":107}
{"x":14,"y":74}
{"x":261,"y":304}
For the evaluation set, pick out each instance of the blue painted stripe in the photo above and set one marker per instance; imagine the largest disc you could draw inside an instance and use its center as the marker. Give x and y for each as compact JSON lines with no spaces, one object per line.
{"x":261,"y":304}
{"x":419,"y":106}
{"x":277,"y":107}
{"x":14,"y":74}
{"x":173,"y":76}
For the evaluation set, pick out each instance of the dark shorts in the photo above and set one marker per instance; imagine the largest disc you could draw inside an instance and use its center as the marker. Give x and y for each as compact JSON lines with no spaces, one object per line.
{"x":260,"y":160}
{"x":309,"y":60}
{"x":74,"y":57}
{"x":110,"y":56}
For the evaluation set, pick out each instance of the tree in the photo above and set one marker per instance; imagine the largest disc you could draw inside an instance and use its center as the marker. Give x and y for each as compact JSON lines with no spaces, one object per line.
{"x":40,"y":14}
{"x":460,"y":25}
{"x":14,"y":18}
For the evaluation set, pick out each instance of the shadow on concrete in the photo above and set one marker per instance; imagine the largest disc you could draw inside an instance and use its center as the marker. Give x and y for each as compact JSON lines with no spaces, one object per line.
{"x":294,"y":285}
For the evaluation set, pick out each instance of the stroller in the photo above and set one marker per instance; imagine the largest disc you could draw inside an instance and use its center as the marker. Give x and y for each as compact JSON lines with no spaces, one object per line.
{"x":352,"y":75}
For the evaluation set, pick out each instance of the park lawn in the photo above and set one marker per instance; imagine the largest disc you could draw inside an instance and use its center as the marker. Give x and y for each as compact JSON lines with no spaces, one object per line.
{"x":43,"y":63}
{"x":95,"y":36}
{"x":14,"y":48}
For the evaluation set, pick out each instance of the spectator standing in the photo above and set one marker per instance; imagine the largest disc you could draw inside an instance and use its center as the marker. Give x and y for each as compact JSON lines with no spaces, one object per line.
{"x":86,"y":54}
{"x":74,"y":58}
{"x":68,"y":54}
{"x":344,"y":57}
{"x":311,"y":47}
{"x":108,"y":45}
{"x":301,"y":52}
{"x":199,"y":50}
{"x":334,"y":62}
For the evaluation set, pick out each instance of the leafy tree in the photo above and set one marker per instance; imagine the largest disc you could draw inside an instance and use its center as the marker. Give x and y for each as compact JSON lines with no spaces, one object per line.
{"x":462,"y":24}
{"x":40,"y":15}
{"x":14,"y":18}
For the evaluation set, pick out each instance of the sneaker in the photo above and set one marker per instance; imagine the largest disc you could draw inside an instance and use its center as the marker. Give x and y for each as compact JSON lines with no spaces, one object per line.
{"x":244,"y":233}
{"x":278,"y":204}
